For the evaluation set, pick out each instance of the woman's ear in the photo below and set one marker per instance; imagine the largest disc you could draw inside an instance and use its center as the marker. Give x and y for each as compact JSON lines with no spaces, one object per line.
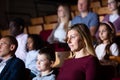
{"x":12,"y":47}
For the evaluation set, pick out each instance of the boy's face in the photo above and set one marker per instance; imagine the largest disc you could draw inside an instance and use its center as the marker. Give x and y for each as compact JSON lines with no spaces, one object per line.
{"x":43,"y":63}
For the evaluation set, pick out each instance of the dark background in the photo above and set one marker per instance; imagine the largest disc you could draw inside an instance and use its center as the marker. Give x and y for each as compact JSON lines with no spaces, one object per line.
{"x":28,"y":9}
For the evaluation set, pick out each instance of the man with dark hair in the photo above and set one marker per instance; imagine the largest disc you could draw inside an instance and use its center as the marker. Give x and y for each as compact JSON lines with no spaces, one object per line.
{"x":17,"y":30}
{"x":11,"y":68}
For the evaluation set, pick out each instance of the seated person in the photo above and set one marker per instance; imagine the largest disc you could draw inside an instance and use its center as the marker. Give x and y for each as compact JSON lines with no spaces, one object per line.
{"x":17,"y":26}
{"x":58,"y":35}
{"x":114,"y":16}
{"x":11,"y":68}
{"x":87,"y":17}
{"x":106,"y":46}
{"x":34,"y":43}
{"x":45,"y":61}
{"x":83,"y":65}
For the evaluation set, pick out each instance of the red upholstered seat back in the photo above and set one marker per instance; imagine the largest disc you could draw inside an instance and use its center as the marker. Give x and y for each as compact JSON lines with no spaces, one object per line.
{"x":44,"y":35}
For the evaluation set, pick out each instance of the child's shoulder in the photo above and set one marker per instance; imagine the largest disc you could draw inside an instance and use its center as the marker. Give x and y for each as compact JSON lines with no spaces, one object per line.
{"x":101,"y":45}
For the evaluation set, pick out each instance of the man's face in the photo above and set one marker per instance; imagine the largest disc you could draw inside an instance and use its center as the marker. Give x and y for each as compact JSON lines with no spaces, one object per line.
{"x":5,"y":47}
{"x":112,"y":5}
{"x":82,"y":5}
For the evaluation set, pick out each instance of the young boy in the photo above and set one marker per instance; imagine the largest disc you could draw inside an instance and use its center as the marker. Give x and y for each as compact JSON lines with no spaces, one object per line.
{"x":45,"y":60}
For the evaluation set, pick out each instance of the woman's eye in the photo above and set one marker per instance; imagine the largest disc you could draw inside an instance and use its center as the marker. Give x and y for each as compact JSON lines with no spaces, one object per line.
{"x":104,"y":31}
{"x":72,"y":36}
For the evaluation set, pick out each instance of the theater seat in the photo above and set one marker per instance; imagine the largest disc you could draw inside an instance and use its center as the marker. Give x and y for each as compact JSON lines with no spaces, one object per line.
{"x":116,"y":78}
{"x":107,"y":72}
{"x":44,"y":35}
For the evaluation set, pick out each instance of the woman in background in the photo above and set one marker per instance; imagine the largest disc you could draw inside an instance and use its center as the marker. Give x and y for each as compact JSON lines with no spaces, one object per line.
{"x":58,"y":35}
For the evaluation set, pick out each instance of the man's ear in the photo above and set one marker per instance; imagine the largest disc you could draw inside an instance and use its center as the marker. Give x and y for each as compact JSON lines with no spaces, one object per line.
{"x":12,"y":47}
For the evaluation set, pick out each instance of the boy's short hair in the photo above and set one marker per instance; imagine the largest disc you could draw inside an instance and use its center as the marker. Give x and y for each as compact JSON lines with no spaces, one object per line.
{"x":49,"y":52}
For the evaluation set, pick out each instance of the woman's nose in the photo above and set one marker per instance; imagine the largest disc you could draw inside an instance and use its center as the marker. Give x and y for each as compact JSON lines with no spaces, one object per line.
{"x":68,"y":40}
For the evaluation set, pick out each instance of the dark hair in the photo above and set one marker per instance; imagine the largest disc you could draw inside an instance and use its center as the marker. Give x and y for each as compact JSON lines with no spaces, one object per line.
{"x":37,"y":41}
{"x":19,"y":22}
{"x":12,"y":40}
{"x":49,"y":52}
{"x":118,"y":6}
{"x":111,"y":35}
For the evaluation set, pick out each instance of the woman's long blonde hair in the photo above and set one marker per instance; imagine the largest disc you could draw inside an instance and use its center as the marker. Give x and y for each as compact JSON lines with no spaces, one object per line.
{"x":84,"y":33}
{"x":67,"y":16}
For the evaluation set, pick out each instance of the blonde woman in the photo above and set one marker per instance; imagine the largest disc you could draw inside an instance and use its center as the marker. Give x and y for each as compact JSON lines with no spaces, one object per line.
{"x":58,"y":35}
{"x":84,"y":64}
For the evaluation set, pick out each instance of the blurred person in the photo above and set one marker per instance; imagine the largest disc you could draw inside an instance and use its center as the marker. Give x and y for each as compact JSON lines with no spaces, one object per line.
{"x":58,"y":35}
{"x":87,"y":17}
{"x":17,"y":30}
{"x":114,"y":16}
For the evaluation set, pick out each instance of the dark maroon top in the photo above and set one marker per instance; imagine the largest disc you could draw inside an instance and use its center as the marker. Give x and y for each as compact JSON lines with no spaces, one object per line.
{"x":84,"y":68}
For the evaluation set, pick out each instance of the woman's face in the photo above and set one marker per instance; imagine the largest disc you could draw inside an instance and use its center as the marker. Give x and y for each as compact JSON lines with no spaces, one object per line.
{"x":61,"y":11}
{"x":103,"y":33}
{"x":74,"y":41}
{"x":112,"y":5}
{"x":43,"y":63}
{"x":30,"y":44}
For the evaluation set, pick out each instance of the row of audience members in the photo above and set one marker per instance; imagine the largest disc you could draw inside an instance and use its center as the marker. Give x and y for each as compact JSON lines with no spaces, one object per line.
{"x":87,"y":17}
{"x":77,"y":36}
{"x":13,"y":68}
{"x":84,"y":59}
